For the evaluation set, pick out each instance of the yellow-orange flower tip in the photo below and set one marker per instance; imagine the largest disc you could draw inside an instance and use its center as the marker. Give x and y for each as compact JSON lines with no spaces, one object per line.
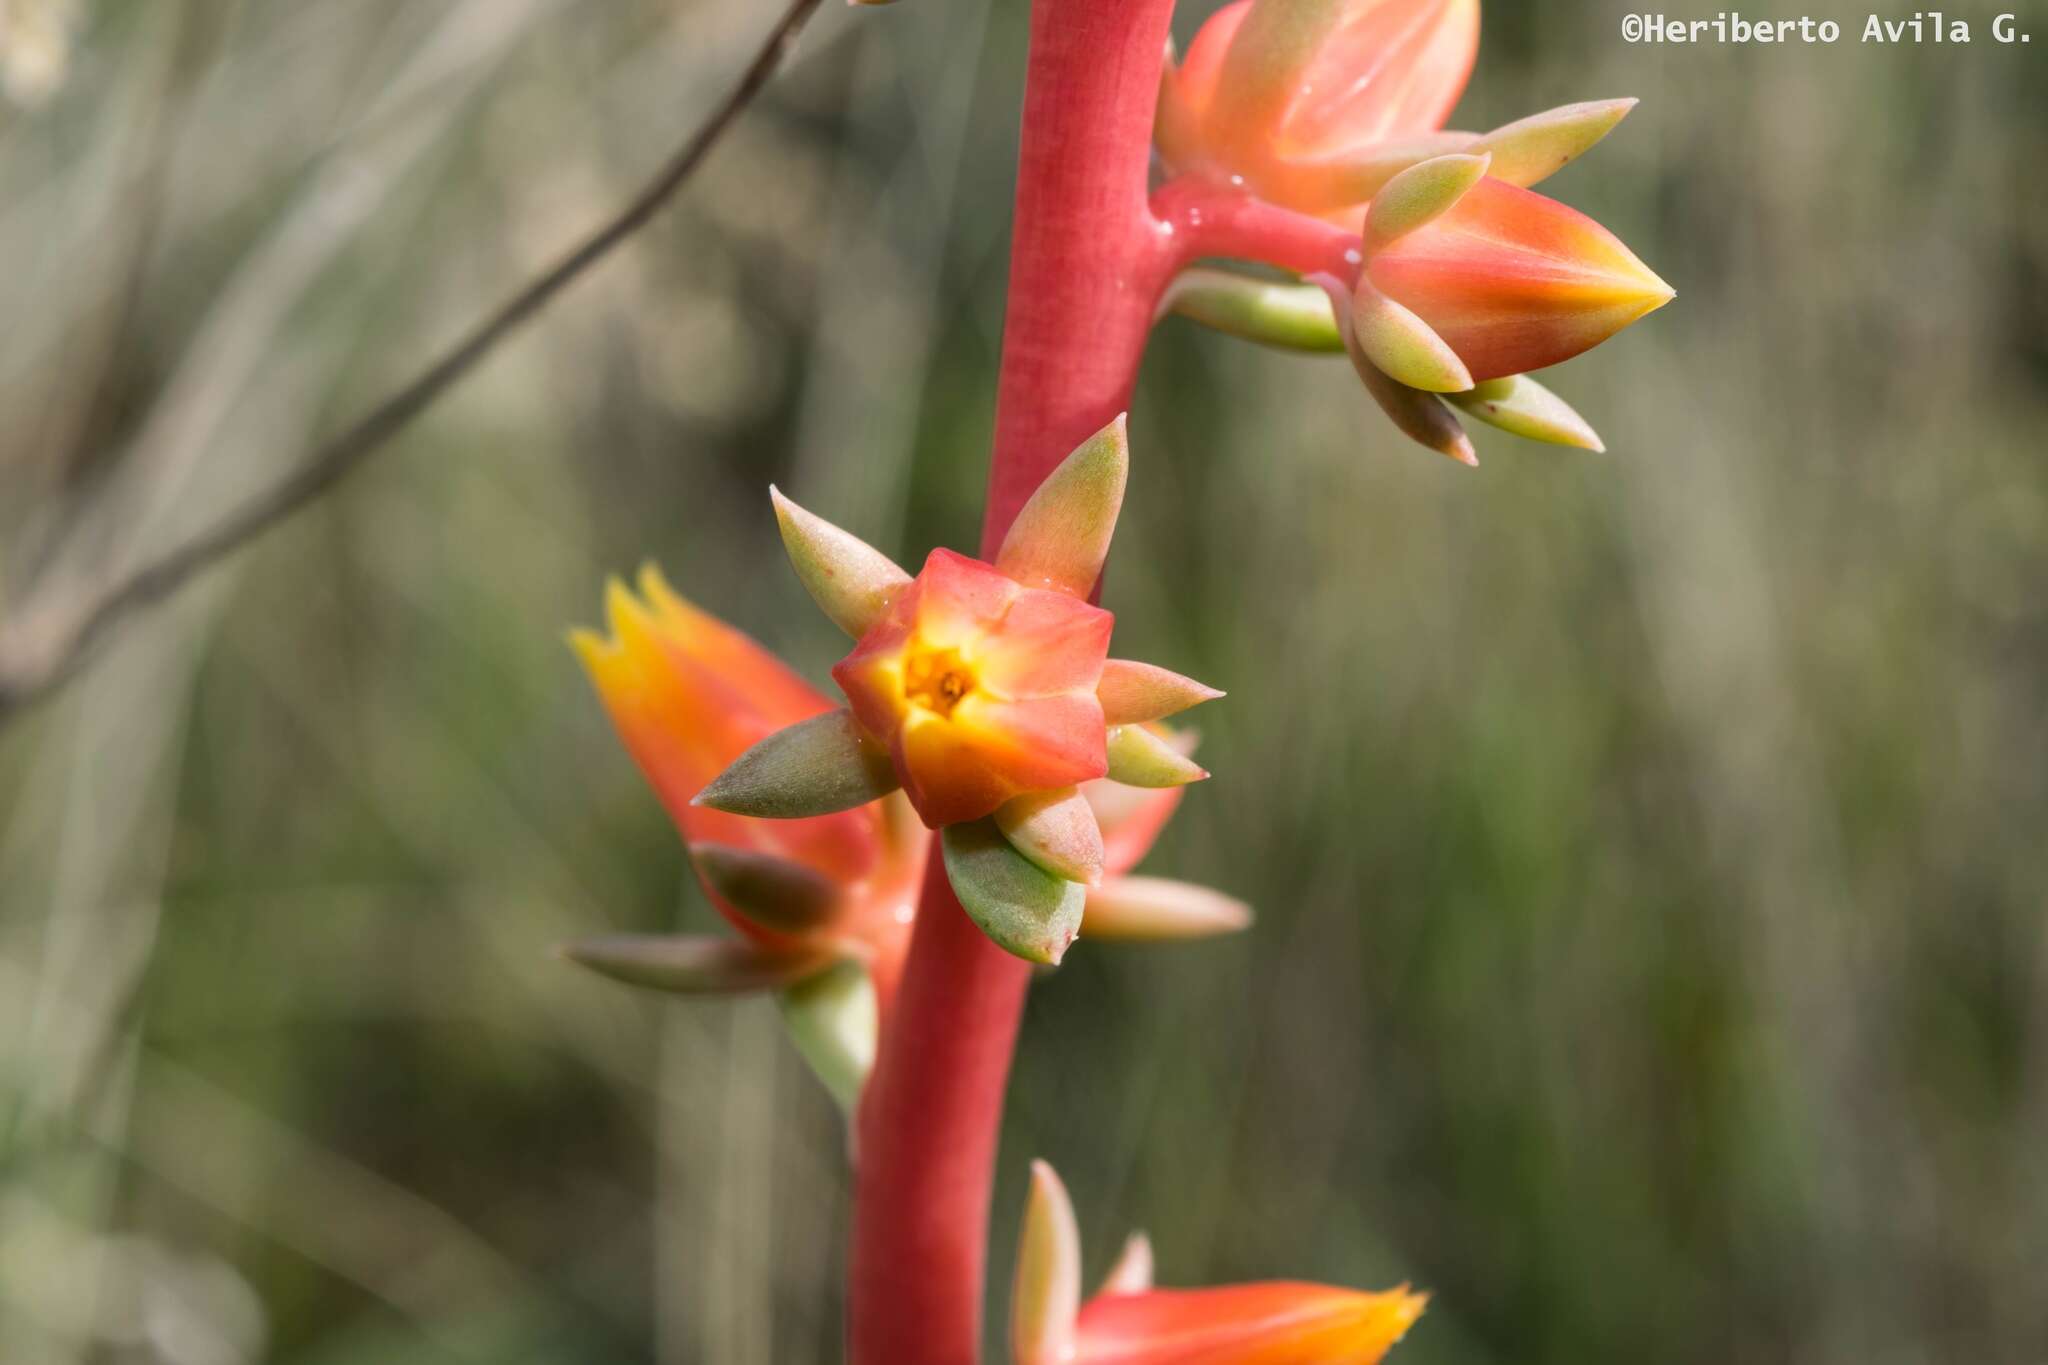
{"x":1269,"y":1323}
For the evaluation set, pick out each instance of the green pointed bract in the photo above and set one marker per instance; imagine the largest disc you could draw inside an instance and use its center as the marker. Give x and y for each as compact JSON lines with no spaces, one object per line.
{"x":815,"y":767}
{"x":773,"y":892}
{"x":1420,"y":195}
{"x":1159,"y":909}
{"x":689,"y":965}
{"x":832,"y":1019}
{"x":1421,"y":417}
{"x":1062,"y":535}
{"x":1023,"y":909}
{"x":1140,"y":758}
{"x":1404,"y":347}
{"x":1292,"y":317}
{"x":1045,"y":1296}
{"x":849,"y":579}
{"x":1534,"y":148}
{"x":1520,"y":405}
{"x":1131,"y":692}
{"x":1132,"y":1273}
{"x":1057,"y":831}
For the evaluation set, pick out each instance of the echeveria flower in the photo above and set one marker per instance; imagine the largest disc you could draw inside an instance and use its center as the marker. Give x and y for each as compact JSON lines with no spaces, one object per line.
{"x":1129,"y":1322}
{"x":1459,"y":275}
{"x":986,"y":693}
{"x":823,"y":905}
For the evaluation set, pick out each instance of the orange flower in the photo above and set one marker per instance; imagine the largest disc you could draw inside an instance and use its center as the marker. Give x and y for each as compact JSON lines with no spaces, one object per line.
{"x":688,"y":694}
{"x":986,"y":693}
{"x":1131,"y":1323}
{"x":983,"y":689}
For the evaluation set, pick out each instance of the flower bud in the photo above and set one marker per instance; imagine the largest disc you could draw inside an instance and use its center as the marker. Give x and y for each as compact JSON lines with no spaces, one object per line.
{"x":1514,"y":281}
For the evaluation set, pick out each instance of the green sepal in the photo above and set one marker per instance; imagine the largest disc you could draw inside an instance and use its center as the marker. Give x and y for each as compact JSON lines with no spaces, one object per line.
{"x":1022,"y":908}
{"x":1420,"y":195}
{"x":1140,"y":758}
{"x":814,"y":767}
{"x":832,"y":1020}
{"x":1534,"y":148}
{"x":684,"y":964}
{"x":851,"y":581}
{"x":1520,"y":405}
{"x":773,"y":892}
{"x":1061,"y":536}
{"x":1292,"y":317}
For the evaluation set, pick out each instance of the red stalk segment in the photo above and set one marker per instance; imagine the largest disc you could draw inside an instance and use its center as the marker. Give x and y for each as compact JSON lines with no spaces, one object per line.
{"x":1086,"y":266}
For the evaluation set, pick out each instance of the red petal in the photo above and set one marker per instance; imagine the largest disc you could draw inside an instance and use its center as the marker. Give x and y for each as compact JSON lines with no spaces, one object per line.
{"x":1394,"y":67}
{"x":1515,"y":281}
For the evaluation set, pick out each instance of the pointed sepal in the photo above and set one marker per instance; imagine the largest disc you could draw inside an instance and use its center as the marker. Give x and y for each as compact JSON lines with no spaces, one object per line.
{"x":1534,"y":148}
{"x":851,"y":581}
{"x":1140,"y":758}
{"x":1421,"y":417}
{"x":1420,"y":195}
{"x":1131,"y":692}
{"x":1159,"y":909}
{"x":1292,"y":317}
{"x":1402,"y":346}
{"x":1056,"y":830}
{"x":1061,"y":537}
{"x":1520,"y":405}
{"x":815,"y":767}
{"x":1045,"y":1296}
{"x":1132,"y":1273}
{"x":692,"y":965}
{"x":775,"y":893}
{"x":1023,"y":909}
{"x":832,"y":1019}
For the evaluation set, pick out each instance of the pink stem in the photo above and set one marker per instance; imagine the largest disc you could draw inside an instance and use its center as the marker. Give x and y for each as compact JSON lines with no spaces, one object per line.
{"x":1087,"y":262}
{"x":1203,"y":219}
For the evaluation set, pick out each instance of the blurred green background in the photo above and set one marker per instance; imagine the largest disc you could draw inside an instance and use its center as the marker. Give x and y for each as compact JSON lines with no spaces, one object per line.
{"x":1650,"y":847}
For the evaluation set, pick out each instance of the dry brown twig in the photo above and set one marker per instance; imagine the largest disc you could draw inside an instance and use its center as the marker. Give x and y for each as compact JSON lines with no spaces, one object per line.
{"x":47,"y":643}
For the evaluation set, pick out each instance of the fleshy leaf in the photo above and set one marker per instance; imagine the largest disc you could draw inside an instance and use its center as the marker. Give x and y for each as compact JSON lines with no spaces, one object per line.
{"x":1520,"y":405}
{"x":690,"y":965}
{"x":831,"y":1017}
{"x":1139,"y":758}
{"x":1157,"y":909}
{"x":1021,"y":907}
{"x":1056,"y":830}
{"x":1534,"y":148}
{"x":814,"y":767}
{"x":1402,"y":346}
{"x":1045,"y":1296}
{"x":1062,"y":535}
{"x":773,"y":892}
{"x":849,"y":579}
{"x":1131,"y":692}
{"x":1132,"y":1273}
{"x":1293,"y":317}
{"x":1421,"y":194}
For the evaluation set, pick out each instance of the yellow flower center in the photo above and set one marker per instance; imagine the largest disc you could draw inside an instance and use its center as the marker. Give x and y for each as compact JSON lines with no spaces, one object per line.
{"x":936,"y":679}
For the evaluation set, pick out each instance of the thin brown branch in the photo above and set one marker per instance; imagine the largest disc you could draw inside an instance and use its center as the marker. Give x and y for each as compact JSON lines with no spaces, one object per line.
{"x":44,"y":647}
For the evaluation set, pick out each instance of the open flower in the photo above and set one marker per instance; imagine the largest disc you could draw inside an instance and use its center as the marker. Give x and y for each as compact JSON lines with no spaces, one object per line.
{"x":986,"y":693}
{"x":1129,"y":1322}
{"x":1459,"y":280}
{"x":823,"y":905}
